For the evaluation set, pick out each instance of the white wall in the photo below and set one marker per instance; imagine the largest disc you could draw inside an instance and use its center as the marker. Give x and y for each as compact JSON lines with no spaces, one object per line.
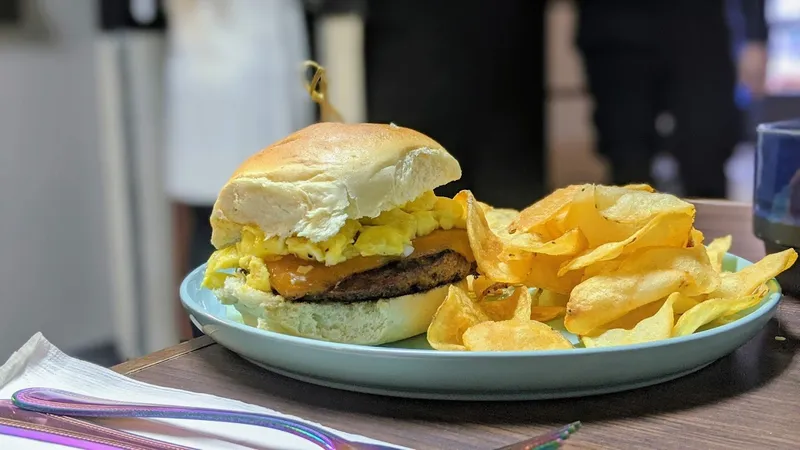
{"x":52,"y":259}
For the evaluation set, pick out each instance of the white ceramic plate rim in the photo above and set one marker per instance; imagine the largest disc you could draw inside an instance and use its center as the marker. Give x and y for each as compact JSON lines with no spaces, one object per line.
{"x":194,"y":307}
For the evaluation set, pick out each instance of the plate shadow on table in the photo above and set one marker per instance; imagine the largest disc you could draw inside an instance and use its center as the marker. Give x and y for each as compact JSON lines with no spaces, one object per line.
{"x":750,"y":367}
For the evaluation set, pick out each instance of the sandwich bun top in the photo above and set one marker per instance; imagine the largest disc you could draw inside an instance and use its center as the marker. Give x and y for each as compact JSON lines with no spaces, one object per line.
{"x":311,"y":182}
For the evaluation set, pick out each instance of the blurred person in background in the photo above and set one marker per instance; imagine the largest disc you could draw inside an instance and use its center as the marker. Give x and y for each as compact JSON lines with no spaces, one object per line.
{"x":646,"y":57}
{"x":470,"y":74}
{"x":233,"y":86}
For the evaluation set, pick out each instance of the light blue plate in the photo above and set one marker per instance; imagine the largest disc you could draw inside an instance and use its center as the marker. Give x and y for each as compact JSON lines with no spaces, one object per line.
{"x":412,"y":369}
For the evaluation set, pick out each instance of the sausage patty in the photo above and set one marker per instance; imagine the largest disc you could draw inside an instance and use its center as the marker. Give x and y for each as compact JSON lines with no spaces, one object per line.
{"x":398,"y":278}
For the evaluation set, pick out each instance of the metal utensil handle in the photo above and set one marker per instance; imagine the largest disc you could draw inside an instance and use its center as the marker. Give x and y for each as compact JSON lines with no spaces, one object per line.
{"x":54,"y":401}
{"x":43,"y":433}
{"x":71,"y":424}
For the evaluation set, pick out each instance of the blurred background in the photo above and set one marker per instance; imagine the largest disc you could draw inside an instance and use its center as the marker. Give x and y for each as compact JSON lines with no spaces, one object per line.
{"x":121,"y":119}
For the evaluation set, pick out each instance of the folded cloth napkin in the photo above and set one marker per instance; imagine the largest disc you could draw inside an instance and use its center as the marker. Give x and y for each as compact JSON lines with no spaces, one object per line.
{"x":40,"y":364}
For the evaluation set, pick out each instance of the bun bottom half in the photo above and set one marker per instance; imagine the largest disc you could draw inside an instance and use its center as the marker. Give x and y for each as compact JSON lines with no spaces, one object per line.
{"x":373,"y":322}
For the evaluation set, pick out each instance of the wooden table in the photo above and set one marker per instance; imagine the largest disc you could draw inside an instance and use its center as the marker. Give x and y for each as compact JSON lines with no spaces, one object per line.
{"x":749,"y":399}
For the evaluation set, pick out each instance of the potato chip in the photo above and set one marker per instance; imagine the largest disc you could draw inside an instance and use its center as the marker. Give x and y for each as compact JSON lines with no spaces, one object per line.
{"x":569,"y":243}
{"x":606,"y":251}
{"x":487,"y":208}
{"x":602,"y":299}
{"x":761,"y":292}
{"x":717,"y":249}
{"x":682,"y":303}
{"x":673,"y":230}
{"x":547,"y":313}
{"x":745,"y":282}
{"x":499,"y":219}
{"x":514,"y":335}
{"x":524,"y":303}
{"x":639,"y":187}
{"x":645,"y":276}
{"x":501,"y":264}
{"x":516,"y":305}
{"x":607,"y":196}
{"x":493,"y":259}
{"x":665,"y":230}
{"x":534,"y":218}
{"x":601,"y":268}
{"x":481,"y":284}
{"x":702,"y":278}
{"x":498,"y":308}
{"x":696,"y":238}
{"x":630,"y":320}
{"x":550,"y":298}
{"x":710,"y":310}
{"x":544,"y":274}
{"x":496,"y":291}
{"x":587,"y":213}
{"x":622,"y":265}
{"x":636,"y":207}
{"x":470,"y":282}
{"x":455,"y":315}
{"x":584,"y":215}
{"x":557,"y":225}
{"x":654,"y":328}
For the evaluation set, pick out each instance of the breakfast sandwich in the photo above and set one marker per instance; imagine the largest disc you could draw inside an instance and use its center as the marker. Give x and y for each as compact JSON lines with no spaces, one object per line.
{"x":335,"y":233}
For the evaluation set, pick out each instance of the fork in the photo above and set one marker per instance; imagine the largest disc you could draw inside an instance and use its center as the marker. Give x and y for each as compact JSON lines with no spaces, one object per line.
{"x":547,"y":441}
{"x":65,"y":403}
{"x":70,"y":431}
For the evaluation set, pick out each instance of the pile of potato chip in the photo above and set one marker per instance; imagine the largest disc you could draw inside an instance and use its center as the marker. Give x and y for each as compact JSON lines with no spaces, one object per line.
{"x":612,"y":265}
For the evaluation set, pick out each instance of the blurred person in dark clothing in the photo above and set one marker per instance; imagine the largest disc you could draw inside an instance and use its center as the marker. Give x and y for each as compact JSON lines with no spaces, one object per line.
{"x":471,"y":75}
{"x":646,"y":57}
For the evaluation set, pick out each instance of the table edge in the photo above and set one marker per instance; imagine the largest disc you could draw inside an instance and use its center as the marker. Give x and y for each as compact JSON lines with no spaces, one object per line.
{"x":719,"y":202}
{"x":176,"y":351}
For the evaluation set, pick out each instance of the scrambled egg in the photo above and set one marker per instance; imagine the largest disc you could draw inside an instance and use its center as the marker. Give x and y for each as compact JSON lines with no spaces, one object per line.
{"x":389,"y":234}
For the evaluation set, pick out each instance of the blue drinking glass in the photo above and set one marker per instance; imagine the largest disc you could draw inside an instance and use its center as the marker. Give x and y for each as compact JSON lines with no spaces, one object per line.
{"x":776,"y":200}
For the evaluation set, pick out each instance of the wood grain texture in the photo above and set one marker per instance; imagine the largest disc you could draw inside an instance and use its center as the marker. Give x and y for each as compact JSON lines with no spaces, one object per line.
{"x":749,"y":399}
{"x":135,"y":365}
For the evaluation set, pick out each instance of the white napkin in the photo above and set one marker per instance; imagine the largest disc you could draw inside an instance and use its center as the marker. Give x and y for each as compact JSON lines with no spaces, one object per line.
{"x":40,"y":364}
